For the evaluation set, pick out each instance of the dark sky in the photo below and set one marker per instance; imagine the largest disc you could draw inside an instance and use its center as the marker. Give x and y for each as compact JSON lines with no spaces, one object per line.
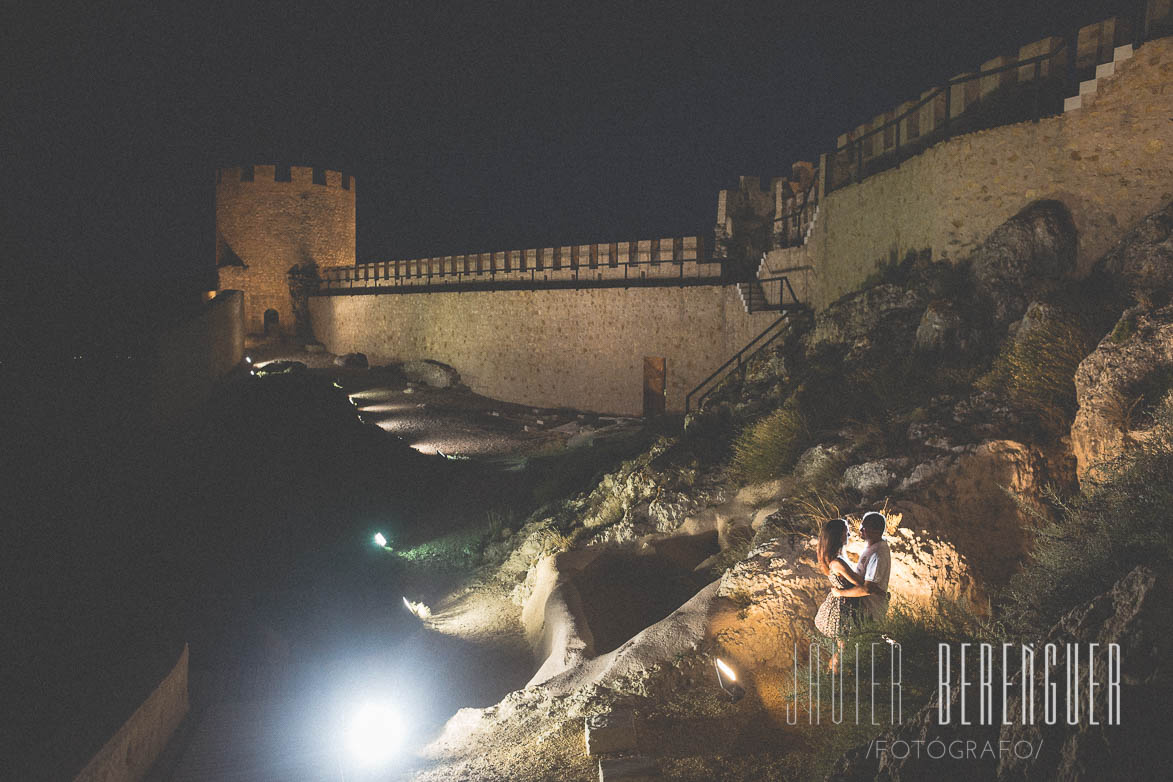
{"x":469,"y":126}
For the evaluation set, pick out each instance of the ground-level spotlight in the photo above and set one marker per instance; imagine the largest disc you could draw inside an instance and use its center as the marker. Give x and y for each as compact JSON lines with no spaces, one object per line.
{"x":381,"y":541}
{"x":728,"y":680}
{"x":374,"y":735}
{"x":420,"y":610}
{"x":248,"y":359}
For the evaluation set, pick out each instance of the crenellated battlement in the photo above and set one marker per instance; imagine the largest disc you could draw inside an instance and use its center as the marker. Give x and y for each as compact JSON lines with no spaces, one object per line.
{"x":642,"y":260}
{"x":272,"y":218}
{"x":281,"y":174}
{"x":579,"y":324}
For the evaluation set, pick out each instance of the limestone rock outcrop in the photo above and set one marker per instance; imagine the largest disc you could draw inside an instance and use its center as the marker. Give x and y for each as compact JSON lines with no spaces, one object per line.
{"x":972,"y":496}
{"x":886,"y":313}
{"x":353,"y":360}
{"x":1136,"y":614}
{"x":872,"y":478}
{"x":1144,"y":258}
{"x":1129,"y":371}
{"x":940,"y":328}
{"x":431,"y":373}
{"x":1024,"y":257}
{"x":778,"y":587}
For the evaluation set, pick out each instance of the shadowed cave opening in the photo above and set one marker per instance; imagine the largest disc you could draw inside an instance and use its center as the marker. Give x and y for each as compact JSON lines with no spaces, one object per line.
{"x":624,"y":592}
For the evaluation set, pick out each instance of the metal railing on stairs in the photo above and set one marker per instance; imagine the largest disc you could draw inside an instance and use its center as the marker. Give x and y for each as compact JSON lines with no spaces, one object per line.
{"x":738,"y":362}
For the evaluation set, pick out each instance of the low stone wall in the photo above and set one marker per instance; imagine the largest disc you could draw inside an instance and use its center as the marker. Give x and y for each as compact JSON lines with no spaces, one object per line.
{"x":135,"y":747}
{"x":552,"y":348}
{"x":194,"y":353}
{"x":1110,"y":162}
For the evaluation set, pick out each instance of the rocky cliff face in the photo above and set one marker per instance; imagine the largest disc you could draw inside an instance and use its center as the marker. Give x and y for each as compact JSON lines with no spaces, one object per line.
{"x":1118,"y":384}
{"x":924,"y":396}
{"x":1135,"y":614}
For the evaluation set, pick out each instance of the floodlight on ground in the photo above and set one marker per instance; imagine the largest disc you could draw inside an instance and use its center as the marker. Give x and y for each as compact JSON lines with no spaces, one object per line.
{"x":374,"y":734}
{"x":420,"y":610}
{"x":249,"y":359}
{"x":727,"y":678}
{"x":381,"y":541}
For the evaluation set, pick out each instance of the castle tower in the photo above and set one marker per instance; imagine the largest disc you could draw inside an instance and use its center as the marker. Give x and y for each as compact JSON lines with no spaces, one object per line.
{"x":272,"y":218}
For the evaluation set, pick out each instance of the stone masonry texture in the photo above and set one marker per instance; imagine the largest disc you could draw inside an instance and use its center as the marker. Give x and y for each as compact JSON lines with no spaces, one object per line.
{"x":1110,"y":162}
{"x":271,"y":226}
{"x":558,"y":348}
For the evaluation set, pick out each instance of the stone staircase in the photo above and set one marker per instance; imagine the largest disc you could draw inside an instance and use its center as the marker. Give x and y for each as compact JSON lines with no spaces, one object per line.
{"x":1088,"y":89}
{"x":753,"y":298}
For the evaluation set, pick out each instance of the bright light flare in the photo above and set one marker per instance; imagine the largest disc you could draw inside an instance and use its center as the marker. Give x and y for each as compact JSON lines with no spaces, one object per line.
{"x":380,"y":540}
{"x":375,"y":733}
{"x":727,"y":681}
{"x":420,"y":610}
{"x":249,"y":359}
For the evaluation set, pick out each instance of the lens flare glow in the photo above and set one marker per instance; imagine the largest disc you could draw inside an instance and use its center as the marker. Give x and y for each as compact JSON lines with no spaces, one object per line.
{"x":726,"y":670}
{"x":376,"y":731}
{"x":380,"y":539}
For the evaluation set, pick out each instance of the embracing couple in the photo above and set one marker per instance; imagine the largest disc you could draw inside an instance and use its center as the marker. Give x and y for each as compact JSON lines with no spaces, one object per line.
{"x":858,"y":593}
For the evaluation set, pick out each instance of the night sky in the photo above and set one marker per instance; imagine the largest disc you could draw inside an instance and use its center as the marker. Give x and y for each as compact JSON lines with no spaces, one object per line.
{"x":469,"y":127}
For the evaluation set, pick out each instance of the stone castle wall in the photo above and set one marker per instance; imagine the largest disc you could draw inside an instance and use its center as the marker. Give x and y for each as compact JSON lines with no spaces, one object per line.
{"x":1110,"y":161}
{"x":574,"y":348}
{"x":270,"y":226}
{"x":193,"y":354}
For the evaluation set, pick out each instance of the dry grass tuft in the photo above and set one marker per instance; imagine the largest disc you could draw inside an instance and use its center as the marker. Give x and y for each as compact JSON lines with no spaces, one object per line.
{"x":1036,"y":371}
{"x":769,"y":448}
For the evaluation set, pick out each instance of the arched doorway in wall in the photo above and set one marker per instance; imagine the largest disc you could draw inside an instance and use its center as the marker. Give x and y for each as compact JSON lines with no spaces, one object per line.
{"x":272,"y":323}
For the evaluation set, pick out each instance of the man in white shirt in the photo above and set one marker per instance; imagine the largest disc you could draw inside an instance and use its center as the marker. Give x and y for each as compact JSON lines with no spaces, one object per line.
{"x":874,"y":566}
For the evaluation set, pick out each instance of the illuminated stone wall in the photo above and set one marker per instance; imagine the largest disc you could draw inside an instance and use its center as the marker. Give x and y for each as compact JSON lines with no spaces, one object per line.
{"x":134,"y":748}
{"x":1110,"y":162}
{"x":574,"y":348}
{"x":270,"y":226}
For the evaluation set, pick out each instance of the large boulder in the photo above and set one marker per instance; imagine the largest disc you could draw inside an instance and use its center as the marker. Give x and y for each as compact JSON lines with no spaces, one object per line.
{"x":1128,"y":373}
{"x":871,"y":479}
{"x":431,"y":373}
{"x":1024,"y":257}
{"x":977,"y":497}
{"x":940,"y":328}
{"x":1143,"y":260}
{"x":352,"y":360}
{"x":778,"y":587}
{"x":882,"y":314}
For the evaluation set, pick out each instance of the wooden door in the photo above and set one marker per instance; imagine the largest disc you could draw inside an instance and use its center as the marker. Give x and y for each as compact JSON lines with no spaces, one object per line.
{"x":655,"y":386}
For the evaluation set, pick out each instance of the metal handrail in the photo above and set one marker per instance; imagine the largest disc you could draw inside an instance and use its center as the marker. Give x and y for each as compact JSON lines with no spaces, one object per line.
{"x":739,"y":358}
{"x":946,"y":89}
{"x":798,"y":216}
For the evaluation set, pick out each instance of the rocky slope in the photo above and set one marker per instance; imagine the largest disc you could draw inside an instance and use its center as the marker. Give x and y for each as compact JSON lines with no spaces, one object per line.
{"x":943,"y":395}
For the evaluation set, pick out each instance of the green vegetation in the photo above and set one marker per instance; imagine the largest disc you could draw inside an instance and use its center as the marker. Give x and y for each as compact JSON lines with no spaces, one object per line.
{"x":1124,"y":329}
{"x":1124,"y":520}
{"x":769,"y":448}
{"x":1036,"y":371}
